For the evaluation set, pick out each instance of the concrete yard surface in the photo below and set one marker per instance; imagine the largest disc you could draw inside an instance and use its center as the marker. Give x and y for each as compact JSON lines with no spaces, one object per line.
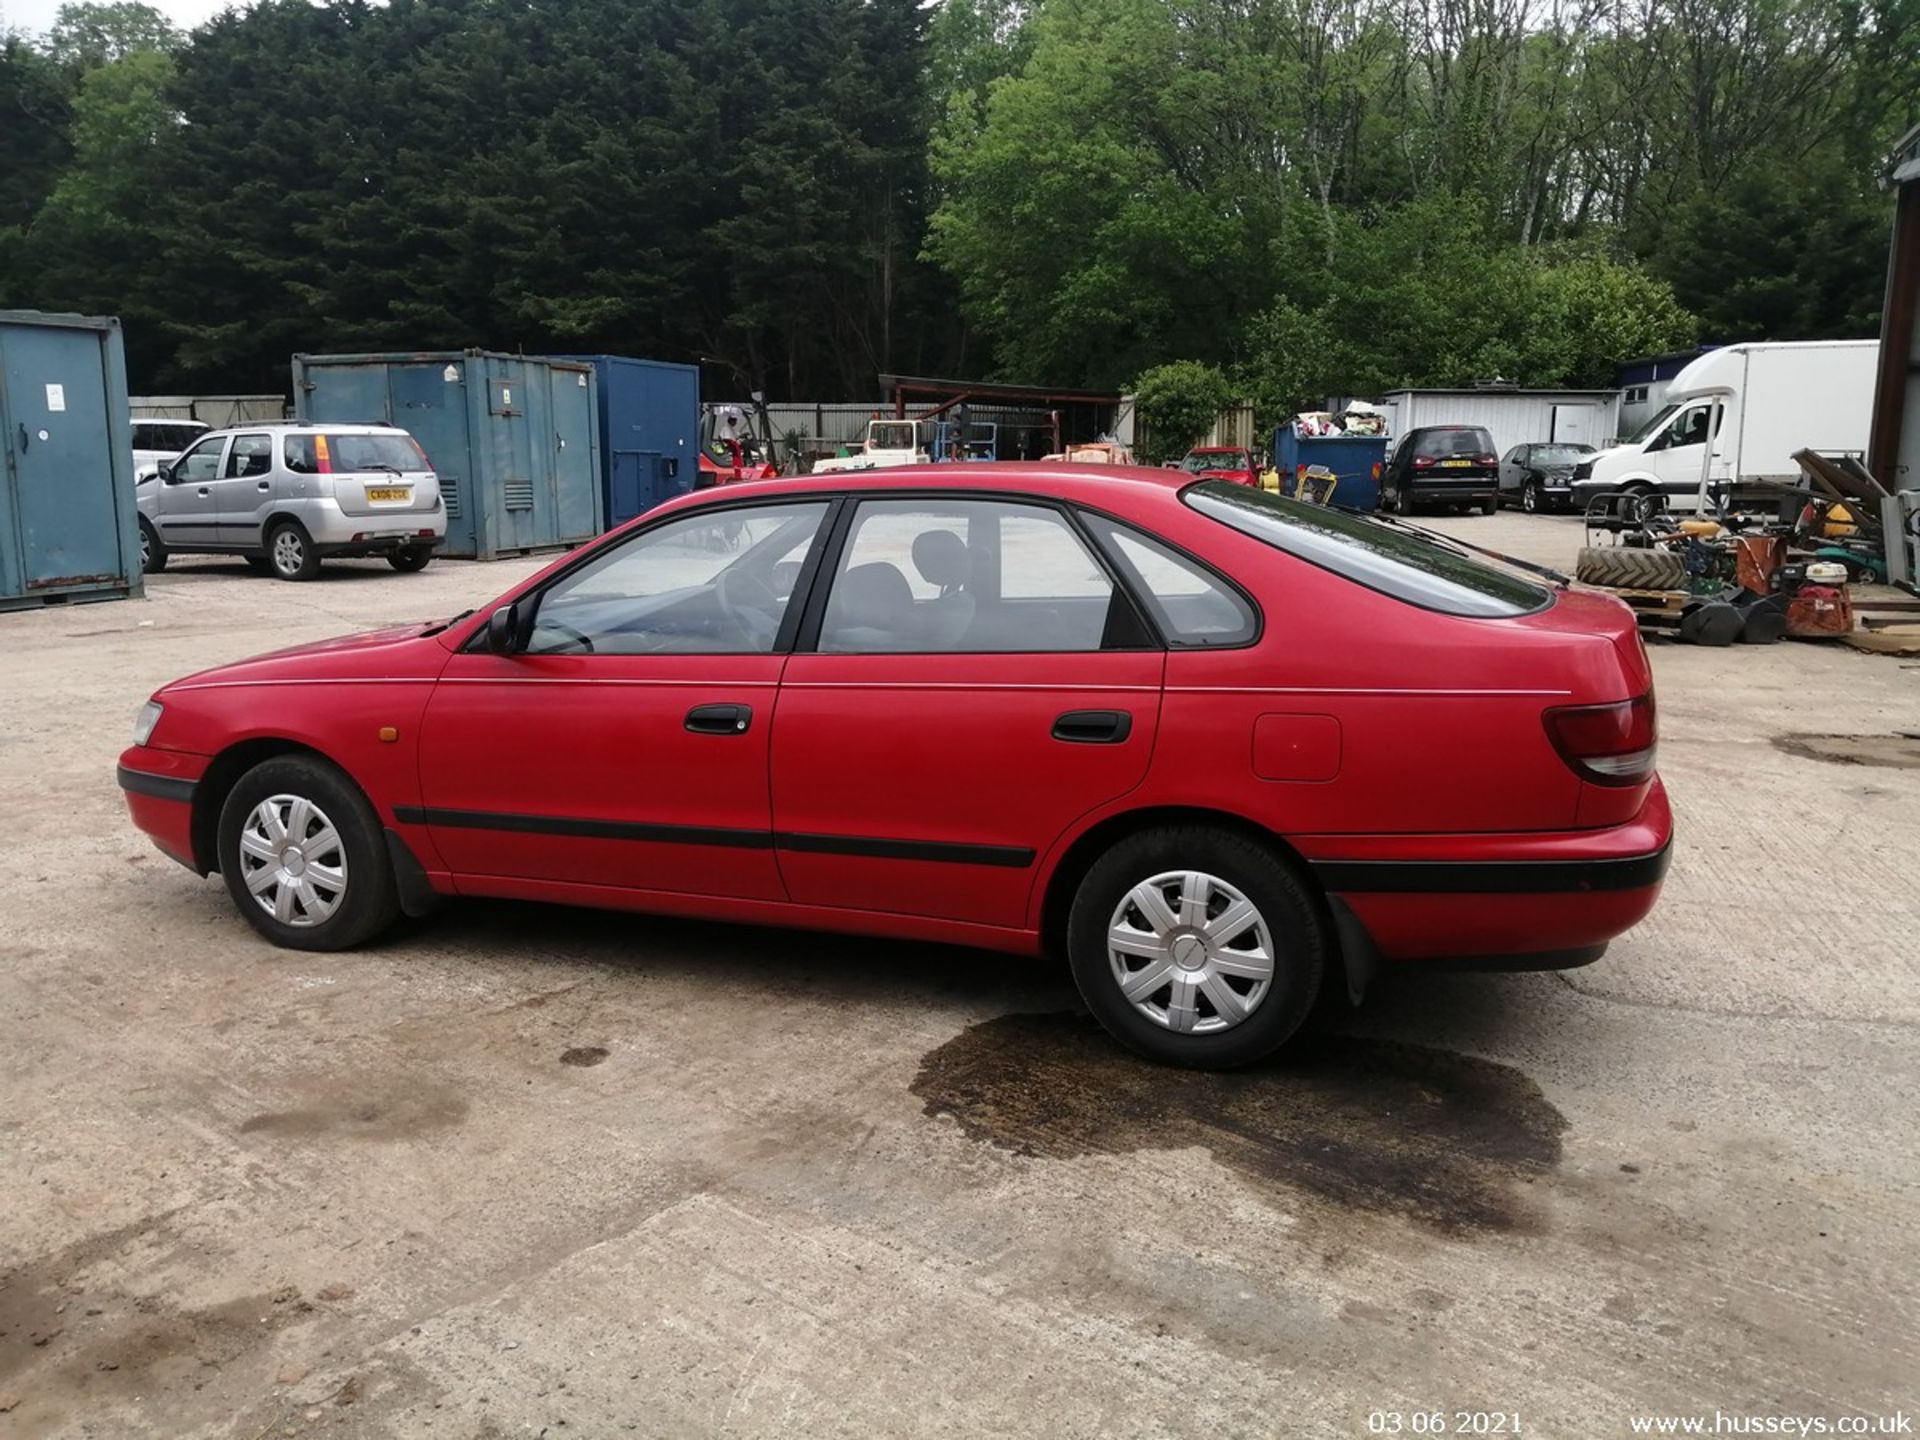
{"x":521,"y":1171}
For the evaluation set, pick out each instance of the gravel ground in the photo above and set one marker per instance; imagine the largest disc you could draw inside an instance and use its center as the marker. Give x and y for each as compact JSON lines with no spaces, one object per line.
{"x":523,"y":1171}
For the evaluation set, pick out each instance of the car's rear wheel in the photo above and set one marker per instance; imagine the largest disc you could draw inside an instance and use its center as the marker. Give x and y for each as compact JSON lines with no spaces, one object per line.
{"x":410,"y":560}
{"x":304,"y":856}
{"x":153,"y":555}
{"x":290,"y":552}
{"x":1196,"y":946}
{"x":1489,"y":505}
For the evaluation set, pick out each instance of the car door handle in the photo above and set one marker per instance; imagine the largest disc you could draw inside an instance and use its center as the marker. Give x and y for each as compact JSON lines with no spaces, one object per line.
{"x":1093,"y":727}
{"x":719,"y":719}
{"x":264,"y":485}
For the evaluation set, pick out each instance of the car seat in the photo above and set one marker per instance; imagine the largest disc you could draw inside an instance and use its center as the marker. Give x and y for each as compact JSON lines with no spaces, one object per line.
{"x":869,"y":608}
{"x":942,"y":559}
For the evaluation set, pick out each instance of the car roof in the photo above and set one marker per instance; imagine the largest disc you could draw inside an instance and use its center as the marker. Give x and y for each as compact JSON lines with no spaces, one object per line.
{"x":332,"y":427}
{"x":1218,"y":450}
{"x":1085,"y":482}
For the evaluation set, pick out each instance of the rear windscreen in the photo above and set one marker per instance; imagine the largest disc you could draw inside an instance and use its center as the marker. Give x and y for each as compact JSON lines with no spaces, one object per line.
{"x":1439,"y":444}
{"x":1216,"y":460}
{"x":328,"y":452}
{"x":1384,"y":557}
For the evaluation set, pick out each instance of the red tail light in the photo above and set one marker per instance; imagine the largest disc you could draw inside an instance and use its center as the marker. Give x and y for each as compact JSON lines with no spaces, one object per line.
{"x":1606,"y":744}
{"x":1421,"y":462}
{"x":1488,"y":459}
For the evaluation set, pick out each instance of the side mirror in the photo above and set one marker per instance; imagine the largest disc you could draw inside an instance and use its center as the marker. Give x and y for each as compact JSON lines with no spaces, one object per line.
{"x":165,"y":472}
{"x":503,"y":631}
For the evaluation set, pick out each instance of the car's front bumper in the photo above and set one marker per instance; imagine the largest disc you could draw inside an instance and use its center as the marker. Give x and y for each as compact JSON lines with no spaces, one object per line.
{"x":1515,"y":901}
{"x":160,"y":786}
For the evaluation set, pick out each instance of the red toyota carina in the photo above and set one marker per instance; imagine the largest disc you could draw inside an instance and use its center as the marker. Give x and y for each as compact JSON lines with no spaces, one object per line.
{"x":1217,"y":747}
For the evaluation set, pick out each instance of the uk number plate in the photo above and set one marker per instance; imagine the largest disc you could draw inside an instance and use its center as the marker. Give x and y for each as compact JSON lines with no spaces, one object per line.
{"x":388,"y":493}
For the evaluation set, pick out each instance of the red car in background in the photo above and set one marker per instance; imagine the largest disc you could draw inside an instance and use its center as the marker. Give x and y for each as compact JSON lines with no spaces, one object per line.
{"x":1219,"y":748}
{"x":1221,"y":462}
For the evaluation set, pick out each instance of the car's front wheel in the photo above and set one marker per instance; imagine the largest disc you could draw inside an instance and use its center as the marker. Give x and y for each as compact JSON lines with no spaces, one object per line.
{"x":1196,"y":946}
{"x":153,"y":555}
{"x":1533,"y":498}
{"x":304,"y":856}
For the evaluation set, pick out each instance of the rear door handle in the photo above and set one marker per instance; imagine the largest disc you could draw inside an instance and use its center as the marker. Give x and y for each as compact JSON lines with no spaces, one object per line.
{"x":1093,"y":727}
{"x":265,"y":485}
{"x":719,"y":719}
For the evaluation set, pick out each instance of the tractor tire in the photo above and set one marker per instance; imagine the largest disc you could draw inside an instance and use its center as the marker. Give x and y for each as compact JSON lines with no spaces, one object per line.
{"x":1622,"y":567}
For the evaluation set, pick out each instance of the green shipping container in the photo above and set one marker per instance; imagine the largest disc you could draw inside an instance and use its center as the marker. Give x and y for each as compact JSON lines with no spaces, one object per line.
{"x":514,"y":439}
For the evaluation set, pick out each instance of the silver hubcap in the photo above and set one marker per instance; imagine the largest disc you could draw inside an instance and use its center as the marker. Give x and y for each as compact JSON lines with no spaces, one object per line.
{"x":146,"y":547}
{"x":1190,"y":952}
{"x":293,"y":861}
{"x":1530,"y":498}
{"x":287,"y":553}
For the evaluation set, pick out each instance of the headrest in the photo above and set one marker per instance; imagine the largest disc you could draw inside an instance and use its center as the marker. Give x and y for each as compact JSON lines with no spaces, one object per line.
{"x":941,"y":558}
{"x":874,"y":596}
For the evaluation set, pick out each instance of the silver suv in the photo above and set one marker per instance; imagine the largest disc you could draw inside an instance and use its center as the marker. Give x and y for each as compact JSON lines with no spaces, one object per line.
{"x":286,"y":496}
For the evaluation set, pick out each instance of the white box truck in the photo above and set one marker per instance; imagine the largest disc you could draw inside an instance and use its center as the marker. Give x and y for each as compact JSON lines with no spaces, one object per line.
{"x":1772,"y":398}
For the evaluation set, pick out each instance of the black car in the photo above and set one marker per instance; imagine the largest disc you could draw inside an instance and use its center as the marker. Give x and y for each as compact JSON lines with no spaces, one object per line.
{"x":1540,"y":477}
{"x":1436,"y":466}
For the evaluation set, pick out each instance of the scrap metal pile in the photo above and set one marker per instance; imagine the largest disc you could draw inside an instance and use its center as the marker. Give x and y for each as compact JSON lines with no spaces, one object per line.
{"x":1743,"y":575}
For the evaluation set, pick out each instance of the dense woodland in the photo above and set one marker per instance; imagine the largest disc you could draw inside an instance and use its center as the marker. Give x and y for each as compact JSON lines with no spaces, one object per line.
{"x":1311,"y":195}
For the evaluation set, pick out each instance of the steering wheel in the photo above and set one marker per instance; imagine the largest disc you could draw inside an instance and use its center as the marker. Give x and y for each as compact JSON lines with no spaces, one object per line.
{"x":585,"y":642}
{"x":748,"y":600}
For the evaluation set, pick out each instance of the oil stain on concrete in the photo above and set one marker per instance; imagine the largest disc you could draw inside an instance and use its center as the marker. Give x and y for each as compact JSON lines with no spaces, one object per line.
{"x":1447,"y":1140}
{"x":1899,"y":751}
{"x":362,"y":1112}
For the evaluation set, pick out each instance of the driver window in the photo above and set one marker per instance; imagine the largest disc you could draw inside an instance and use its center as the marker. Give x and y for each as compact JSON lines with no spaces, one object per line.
{"x":1689,"y":427}
{"x":200,"y":464}
{"x":715,"y":583}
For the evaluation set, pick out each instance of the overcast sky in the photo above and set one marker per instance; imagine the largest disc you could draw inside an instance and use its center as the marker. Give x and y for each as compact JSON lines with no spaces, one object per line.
{"x":37,"y":15}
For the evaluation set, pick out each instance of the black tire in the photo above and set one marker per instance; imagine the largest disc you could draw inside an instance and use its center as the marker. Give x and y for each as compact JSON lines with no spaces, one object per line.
{"x":290,"y":552}
{"x":1643,"y":506}
{"x":409,"y":561}
{"x":1489,"y":505}
{"x":1285,"y":904}
{"x":369,"y":902}
{"x":153,"y":555}
{"x":1625,"y":567}
{"x":258,"y":564}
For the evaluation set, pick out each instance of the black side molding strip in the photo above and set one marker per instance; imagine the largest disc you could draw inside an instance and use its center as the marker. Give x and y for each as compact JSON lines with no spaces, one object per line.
{"x":163,"y":787}
{"x":1492,"y":877}
{"x":948,"y":851}
{"x":953,"y":852}
{"x":587,"y":829}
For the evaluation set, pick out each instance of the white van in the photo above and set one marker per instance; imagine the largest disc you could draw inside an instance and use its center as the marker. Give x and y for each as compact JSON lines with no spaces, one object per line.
{"x":1774,"y":398}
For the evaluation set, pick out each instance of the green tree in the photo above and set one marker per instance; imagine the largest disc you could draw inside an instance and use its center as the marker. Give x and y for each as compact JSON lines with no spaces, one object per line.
{"x":90,"y":35}
{"x":1176,"y":403}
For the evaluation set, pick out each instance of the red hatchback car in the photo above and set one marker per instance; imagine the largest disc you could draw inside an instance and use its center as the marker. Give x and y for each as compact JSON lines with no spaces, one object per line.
{"x":1218,"y":747}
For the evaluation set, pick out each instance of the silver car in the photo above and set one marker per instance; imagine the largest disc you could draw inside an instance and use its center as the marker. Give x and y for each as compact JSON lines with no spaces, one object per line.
{"x":286,"y":496}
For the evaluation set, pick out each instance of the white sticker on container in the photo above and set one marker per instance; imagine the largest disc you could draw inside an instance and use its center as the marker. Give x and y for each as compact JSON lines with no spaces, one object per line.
{"x":56,"y":399}
{"x":451,"y":374}
{"x":506,"y":398}
{"x":581,"y":381}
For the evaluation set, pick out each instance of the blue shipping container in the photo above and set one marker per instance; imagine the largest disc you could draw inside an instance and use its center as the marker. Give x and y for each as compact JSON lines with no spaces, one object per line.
{"x":1355,"y":462}
{"x":514,"y":439}
{"x":67,"y":522}
{"x":649,"y":432}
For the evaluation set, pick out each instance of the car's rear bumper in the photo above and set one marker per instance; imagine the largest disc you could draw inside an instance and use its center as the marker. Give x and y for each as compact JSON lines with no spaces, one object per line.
{"x":160,"y":786}
{"x":377,"y":542}
{"x":1515,"y":901}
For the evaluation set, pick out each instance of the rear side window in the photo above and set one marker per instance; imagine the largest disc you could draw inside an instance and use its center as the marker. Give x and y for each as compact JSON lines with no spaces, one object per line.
{"x":1443,"y":444}
{"x":327,"y":452}
{"x":1380,"y":556}
{"x":1193,"y":606}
